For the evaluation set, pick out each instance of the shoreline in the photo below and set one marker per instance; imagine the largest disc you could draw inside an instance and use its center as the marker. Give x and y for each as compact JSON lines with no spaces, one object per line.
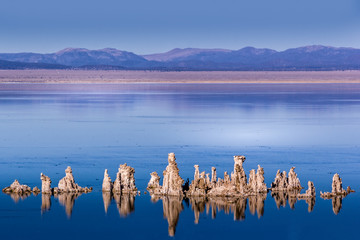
{"x":185,"y":77}
{"x":182,"y":88}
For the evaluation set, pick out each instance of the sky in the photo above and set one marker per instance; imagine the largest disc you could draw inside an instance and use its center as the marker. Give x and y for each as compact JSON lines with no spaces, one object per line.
{"x":151,"y":26}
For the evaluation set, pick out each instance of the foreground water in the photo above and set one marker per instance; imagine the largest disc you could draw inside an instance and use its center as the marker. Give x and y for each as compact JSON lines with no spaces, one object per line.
{"x":92,"y":127}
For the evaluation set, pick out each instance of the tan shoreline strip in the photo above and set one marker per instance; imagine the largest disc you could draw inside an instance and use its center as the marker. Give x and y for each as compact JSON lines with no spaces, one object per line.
{"x":124,"y":77}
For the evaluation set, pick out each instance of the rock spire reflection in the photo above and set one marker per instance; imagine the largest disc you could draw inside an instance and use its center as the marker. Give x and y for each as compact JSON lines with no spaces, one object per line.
{"x":125,"y":203}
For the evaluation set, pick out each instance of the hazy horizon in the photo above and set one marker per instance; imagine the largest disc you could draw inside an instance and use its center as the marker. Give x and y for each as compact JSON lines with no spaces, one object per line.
{"x":145,"y":27}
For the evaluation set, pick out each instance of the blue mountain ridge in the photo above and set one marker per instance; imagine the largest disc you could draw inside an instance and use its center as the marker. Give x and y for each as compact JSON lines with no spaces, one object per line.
{"x":314,"y":57}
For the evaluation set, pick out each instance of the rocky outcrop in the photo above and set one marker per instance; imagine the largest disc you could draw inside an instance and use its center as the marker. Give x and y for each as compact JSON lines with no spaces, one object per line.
{"x":107,"y":185}
{"x":200,"y":185}
{"x":233,"y":185}
{"x":204,"y":193}
{"x":281,"y":182}
{"x":17,"y":188}
{"x":286,"y":183}
{"x":172,"y":182}
{"x":337,"y":193}
{"x":309,"y":196}
{"x":154,"y":184}
{"x":122,"y":190}
{"x":66,"y":192}
{"x":67,"y":184}
{"x":125,"y":181}
{"x":336,"y":189}
{"x":257,"y":181}
{"x":293,"y":181}
{"x":287,"y":189}
{"x":45,"y":184}
{"x":18,"y":191}
{"x":213,"y":177}
{"x":238,"y":176}
{"x":310,"y":192}
{"x":36,"y":191}
{"x":336,"y":186}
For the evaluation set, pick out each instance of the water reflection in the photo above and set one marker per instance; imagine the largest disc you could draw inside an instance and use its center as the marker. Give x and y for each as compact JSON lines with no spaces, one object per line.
{"x":336,"y":202}
{"x":67,"y":200}
{"x":17,"y":196}
{"x":256,"y":204}
{"x":45,"y":202}
{"x":236,"y":206}
{"x":173,"y":205}
{"x":291,"y":197}
{"x":311,"y":203}
{"x":198,"y":205}
{"x":107,"y":200}
{"x":228,"y":205}
{"x":125,"y":202}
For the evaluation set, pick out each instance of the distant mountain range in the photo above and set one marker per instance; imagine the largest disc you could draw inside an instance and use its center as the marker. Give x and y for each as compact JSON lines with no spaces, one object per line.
{"x":194,"y":59}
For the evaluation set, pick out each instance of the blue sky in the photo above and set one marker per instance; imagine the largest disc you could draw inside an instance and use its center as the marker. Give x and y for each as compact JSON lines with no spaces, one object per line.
{"x":148,"y":26}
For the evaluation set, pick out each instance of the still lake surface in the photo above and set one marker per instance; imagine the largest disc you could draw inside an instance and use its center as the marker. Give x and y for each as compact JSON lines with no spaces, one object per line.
{"x":45,"y":128}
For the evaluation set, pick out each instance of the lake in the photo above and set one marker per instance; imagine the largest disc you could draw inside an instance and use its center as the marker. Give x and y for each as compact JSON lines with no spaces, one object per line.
{"x":92,"y":127}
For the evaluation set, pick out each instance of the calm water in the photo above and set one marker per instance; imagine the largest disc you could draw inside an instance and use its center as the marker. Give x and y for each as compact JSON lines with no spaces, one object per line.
{"x":46,"y":128}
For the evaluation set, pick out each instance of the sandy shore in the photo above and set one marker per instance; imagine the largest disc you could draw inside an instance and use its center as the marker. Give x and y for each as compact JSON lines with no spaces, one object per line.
{"x":118,"y":77}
